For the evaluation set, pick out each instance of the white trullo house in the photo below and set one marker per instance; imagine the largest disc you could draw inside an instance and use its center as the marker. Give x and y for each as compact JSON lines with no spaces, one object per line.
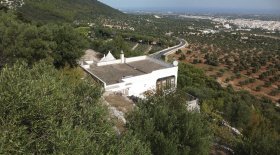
{"x":133,"y":76}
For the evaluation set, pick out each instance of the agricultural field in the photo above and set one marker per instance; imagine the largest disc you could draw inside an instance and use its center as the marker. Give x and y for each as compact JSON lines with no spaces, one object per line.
{"x":244,"y":61}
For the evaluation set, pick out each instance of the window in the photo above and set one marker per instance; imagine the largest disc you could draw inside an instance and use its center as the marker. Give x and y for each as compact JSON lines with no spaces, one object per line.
{"x":165,"y":84}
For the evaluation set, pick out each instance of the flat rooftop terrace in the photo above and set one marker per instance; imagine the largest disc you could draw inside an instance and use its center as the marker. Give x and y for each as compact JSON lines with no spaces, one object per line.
{"x":112,"y":74}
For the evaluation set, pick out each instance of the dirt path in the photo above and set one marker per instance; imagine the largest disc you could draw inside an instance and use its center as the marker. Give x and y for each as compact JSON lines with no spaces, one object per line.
{"x":92,"y":55}
{"x":135,"y":46}
{"x":148,"y":49}
{"x":268,"y":36}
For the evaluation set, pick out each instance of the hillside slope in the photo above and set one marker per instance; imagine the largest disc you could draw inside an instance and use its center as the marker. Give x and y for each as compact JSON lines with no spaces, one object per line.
{"x":66,"y":10}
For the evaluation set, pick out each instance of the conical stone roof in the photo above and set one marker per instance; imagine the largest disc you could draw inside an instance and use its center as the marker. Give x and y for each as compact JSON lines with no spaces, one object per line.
{"x":108,"y":57}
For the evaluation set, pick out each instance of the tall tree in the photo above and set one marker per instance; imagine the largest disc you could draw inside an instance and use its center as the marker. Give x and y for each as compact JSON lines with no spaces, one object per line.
{"x":31,"y":43}
{"x":70,"y":45}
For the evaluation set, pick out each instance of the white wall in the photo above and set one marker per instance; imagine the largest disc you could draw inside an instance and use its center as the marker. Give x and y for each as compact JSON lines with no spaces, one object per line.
{"x":90,"y":62}
{"x":119,"y":61}
{"x":138,"y":85}
{"x":109,"y":62}
{"x":128,"y":60}
{"x":85,"y":66}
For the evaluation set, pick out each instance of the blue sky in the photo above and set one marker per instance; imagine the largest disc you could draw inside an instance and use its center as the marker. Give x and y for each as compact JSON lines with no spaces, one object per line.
{"x":200,"y":4}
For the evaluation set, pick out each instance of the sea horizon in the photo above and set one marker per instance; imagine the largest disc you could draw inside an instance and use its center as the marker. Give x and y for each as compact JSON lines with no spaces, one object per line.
{"x":181,"y":10}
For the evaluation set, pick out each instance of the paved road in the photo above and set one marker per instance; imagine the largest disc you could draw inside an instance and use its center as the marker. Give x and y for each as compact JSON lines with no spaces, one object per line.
{"x":159,"y":54}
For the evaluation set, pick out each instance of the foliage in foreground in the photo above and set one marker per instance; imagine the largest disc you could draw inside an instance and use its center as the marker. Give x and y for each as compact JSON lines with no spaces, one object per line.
{"x":165,"y":124}
{"x":45,"y":112}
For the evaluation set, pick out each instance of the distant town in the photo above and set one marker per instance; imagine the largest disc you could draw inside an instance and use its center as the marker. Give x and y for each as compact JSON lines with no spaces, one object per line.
{"x":241,"y":23}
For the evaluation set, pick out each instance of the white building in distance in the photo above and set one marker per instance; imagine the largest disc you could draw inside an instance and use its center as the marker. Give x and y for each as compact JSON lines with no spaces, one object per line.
{"x":134,"y":76}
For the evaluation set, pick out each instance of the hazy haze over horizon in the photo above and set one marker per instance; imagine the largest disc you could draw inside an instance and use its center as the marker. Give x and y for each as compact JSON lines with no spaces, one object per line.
{"x":207,"y":5}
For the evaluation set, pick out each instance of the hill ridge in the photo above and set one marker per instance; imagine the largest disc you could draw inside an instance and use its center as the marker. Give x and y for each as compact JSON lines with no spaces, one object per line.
{"x":66,"y":10}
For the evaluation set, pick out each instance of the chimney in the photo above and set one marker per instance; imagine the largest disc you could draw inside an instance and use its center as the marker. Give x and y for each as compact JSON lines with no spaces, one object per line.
{"x":122,"y":57}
